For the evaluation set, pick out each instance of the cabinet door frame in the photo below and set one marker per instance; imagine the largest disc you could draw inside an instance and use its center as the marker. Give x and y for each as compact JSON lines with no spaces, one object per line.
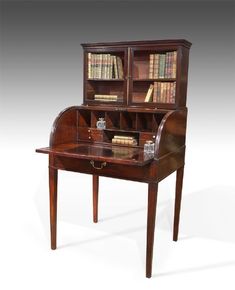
{"x":132,"y":79}
{"x":105,"y":50}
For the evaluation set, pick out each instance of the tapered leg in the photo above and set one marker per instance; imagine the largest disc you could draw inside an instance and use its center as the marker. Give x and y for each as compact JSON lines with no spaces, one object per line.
{"x":95,"y":197}
{"x":152,"y":203}
{"x":53,"y":173}
{"x":178,"y":195}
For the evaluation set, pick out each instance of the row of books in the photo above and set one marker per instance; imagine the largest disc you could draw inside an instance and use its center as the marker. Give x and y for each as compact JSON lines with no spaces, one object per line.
{"x":108,"y":98}
{"x":104,"y":66}
{"x":162,"y":65}
{"x":124,"y":140}
{"x":161,"y":92}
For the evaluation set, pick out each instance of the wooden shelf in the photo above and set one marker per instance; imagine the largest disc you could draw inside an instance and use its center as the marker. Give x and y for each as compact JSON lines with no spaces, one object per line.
{"x":155,"y":80}
{"x":106,"y":80}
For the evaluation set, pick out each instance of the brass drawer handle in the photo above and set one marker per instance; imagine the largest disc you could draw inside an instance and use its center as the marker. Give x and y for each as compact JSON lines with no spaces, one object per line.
{"x":103,"y":164}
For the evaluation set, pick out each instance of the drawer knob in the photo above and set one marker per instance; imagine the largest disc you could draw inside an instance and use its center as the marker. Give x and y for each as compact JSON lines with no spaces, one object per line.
{"x":102,"y":165}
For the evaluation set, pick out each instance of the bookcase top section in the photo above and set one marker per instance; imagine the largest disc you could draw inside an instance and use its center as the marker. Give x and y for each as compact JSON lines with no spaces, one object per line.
{"x":147,"y":74}
{"x":182,"y":42}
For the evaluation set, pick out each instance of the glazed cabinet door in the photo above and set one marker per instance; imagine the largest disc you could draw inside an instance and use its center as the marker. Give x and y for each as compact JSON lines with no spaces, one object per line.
{"x":153,"y":72}
{"x":105,"y":76}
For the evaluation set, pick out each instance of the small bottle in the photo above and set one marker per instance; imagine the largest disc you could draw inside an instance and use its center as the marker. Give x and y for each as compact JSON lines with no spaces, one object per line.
{"x":149,"y":147}
{"x":101,"y":124}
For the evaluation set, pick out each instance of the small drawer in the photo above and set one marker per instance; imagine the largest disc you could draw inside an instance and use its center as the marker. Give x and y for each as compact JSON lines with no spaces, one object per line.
{"x":96,"y":135}
{"x":83,"y":133}
{"x":90,"y":134}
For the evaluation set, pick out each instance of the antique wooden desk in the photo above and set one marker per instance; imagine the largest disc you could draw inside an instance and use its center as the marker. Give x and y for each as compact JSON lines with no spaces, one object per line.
{"x":125,"y":71}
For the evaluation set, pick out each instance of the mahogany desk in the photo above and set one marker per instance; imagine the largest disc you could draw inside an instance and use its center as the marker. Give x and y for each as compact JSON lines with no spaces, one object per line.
{"x":140,"y":89}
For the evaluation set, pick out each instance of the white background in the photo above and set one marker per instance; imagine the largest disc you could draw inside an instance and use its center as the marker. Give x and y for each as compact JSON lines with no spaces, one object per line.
{"x":43,"y":75}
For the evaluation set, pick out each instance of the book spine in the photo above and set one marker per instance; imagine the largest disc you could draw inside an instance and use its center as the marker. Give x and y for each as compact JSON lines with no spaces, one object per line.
{"x":156,"y":66}
{"x":161,"y":93}
{"x":114,"y":141}
{"x":168,"y":92}
{"x":104,"y":100}
{"x":100,"y":66}
{"x":173,"y":93}
{"x":123,"y":137}
{"x":124,"y":142}
{"x":170,"y":64}
{"x":166,"y":71}
{"x":120,"y":67}
{"x":151,"y":63}
{"x":165,"y":92}
{"x":97,"y":65}
{"x":106,"y":97}
{"x":104,"y":66}
{"x":149,"y":94}
{"x":174,"y":64}
{"x":89,"y":65}
{"x":155,"y":92}
{"x":162,"y":60}
{"x":99,"y":57}
{"x":107,"y":67}
{"x":115,"y":67}
{"x":110,"y":67}
{"x":108,"y":64}
{"x":92,"y":66}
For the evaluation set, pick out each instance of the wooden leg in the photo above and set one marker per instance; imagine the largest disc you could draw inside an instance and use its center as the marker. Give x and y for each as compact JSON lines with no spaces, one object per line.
{"x":53,"y":173}
{"x":95,"y":197}
{"x":178,"y":195}
{"x":152,"y":203}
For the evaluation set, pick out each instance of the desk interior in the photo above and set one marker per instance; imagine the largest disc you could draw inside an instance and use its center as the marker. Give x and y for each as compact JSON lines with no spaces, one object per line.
{"x":109,"y":153}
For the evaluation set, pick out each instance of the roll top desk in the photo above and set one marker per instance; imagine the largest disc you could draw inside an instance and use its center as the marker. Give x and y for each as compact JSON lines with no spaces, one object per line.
{"x":139,"y":89}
